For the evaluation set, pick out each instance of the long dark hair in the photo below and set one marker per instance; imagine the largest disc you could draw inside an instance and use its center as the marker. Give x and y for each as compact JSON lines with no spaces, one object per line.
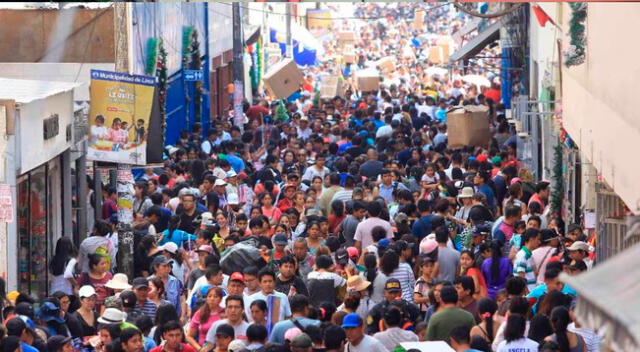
{"x":516,"y":324}
{"x":65,"y":251}
{"x":338,"y":208}
{"x":174,"y":222}
{"x":370,"y":263}
{"x":487,"y":308}
{"x":164,"y":314}
{"x":559,"y":321}
{"x":389,"y":262}
{"x":496,"y":254}
{"x":539,"y":328}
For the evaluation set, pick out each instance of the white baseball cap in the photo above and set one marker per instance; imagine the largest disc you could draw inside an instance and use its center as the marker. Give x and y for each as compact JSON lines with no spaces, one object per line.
{"x":86,"y":291}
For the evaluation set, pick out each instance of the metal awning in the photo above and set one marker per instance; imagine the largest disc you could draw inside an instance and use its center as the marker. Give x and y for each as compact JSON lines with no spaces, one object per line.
{"x":609,"y":298}
{"x":479,"y":42}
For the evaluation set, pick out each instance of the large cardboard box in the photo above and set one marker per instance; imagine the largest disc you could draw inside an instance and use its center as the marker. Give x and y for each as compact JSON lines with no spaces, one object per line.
{"x":386,"y":64}
{"x":283,"y":79}
{"x":367,"y":81}
{"x":468,"y":125}
{"x":349,"y":54}
{"x":319,"y":18}
{"x":436,"y":55}
{"x":330,"y":87}
{"x":346,"y":38}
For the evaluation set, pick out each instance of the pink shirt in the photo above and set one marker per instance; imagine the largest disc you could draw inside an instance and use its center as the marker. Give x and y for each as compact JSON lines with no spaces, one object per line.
{"x":201,"y":327}
{"x":118,"y":136}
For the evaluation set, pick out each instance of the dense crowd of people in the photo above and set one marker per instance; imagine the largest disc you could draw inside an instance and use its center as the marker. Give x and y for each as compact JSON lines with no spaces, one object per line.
{"x":343,"y":224}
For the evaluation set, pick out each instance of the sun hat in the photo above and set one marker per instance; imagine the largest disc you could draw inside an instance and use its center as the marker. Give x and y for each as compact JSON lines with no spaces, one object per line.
{"x":467,"y":192}
{"x":357,"y":283}
{"x":119,"y":281}
{"x":351,"y":320}
{"x":87,"y":291}
{"x":112,"y":316}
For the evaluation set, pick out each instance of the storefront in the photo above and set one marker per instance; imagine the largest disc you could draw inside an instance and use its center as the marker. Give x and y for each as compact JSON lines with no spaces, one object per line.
{"x":38,"y":173}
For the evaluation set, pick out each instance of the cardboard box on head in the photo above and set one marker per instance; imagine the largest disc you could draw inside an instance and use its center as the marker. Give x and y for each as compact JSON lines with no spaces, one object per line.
{"x":283,"y":79}
{"x":367,"y":80}
{"x":346,"y":38}
{"x":330,"y":87}
{"x":386,"y":64}
{"x":349,"y":54}
{"x":468,"y":125}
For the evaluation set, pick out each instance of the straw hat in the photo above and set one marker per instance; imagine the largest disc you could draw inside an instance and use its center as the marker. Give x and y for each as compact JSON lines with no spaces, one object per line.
{"x":119,"y":281}
{"x":356,"y":283}
{"x":467,"y":192}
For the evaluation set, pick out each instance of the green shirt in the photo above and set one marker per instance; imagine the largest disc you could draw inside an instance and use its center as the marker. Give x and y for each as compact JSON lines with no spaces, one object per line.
{"x":441,"y":323}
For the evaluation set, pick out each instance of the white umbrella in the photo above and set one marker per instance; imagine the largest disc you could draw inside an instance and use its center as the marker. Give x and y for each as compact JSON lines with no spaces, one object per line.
{"x":477,"y":80}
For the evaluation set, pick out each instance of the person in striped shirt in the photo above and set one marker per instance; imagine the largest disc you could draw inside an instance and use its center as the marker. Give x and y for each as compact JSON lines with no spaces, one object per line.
{"x":523,"y":265}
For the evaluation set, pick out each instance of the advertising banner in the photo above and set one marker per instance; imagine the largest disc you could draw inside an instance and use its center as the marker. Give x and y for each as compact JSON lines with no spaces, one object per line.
{"x":119,"y":117}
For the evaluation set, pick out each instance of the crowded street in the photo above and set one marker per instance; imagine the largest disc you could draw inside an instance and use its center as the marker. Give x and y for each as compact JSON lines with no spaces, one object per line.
{"x":319,"y":177}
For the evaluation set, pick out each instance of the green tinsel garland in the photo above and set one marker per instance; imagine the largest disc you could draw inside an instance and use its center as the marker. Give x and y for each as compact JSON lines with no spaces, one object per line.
{"x":161,"y":73}
{"x":152,"y":57}
{"x":196,"y":64}
{"x":557,"y":190}
{"x":575,"y":53}
{"x":186,"y":57}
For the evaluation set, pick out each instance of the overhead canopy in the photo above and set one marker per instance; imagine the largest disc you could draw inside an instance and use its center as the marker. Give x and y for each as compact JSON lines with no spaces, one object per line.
{"x":609,"y":298}
{"x":479,"y":42}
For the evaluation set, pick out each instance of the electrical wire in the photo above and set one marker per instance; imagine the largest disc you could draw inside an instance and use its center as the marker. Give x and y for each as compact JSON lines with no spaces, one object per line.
{"x":337,"y":18}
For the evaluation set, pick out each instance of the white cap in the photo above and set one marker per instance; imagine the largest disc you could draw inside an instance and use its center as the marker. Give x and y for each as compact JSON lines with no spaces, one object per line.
{"x":207,"y":219}
{"x":220,"y":182}
{"x":86,"y":291}
{"x":169,"y":247}
{"x":231,"y":173}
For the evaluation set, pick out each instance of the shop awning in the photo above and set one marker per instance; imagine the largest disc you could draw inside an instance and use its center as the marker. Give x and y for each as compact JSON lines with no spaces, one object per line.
{"x":609,"y":298}
{"x":479,"y":42}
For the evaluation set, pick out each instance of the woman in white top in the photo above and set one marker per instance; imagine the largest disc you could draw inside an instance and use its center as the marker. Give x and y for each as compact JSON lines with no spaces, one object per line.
{"x":63,"y":266}
{"x":514,"y":339}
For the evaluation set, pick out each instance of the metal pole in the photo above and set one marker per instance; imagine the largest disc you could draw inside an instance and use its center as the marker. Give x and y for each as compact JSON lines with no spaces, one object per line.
{"x":238,"y":67}
{"x":97,"y":193}
{"x":289,"y":51}
{"x":81,"y":190}
{"x":124,"y":177}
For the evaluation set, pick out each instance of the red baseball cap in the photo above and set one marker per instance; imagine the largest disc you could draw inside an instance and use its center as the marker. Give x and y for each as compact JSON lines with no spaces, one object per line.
{"x":481,"y":158}
{"x":236,"y":277}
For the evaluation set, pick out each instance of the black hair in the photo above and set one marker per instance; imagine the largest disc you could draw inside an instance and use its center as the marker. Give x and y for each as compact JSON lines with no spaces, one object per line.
{"x":260,"y":303}
{"x":287,"y":259}
{"x":515,"y":285}
{"x":516,"y":324}
{"x":389,"y":262}
{"x":334,"y":336}
{"x":236,"y":298}
{"x":171,"y":325}
{"x":250,"y":270}
{"x":487,"y":306}
{"x":448,"y":294}
{"x":496,"y":254}
{"x":378,"y":233}
{"x":559,"y":320}
{"x":256,"y":333}
{"x":460,"y":334}
{"x":467,"y":284}
{"x":94,"y":259}
{"x":529,"y":235}
{"x":298,"y":303}
{"x":375,"y":209}
{"x":539,"y":328}
{"x":127,"y":333}
{"x":65,"y":251}
{"x":164,"y":314}
{"x":519,"y":305}
{"x":371,"y":264}
{"x":551,"y":274}
{"x":337,"y":206}
{"x":442,"y":234}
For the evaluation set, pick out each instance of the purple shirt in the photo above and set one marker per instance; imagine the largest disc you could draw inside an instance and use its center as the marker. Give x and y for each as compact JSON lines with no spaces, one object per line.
{"x":506,"y":269}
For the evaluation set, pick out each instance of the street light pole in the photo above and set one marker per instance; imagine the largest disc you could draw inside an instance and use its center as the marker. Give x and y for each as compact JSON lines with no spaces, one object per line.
{"x":238,"y":68}
{"x":124,"y":177}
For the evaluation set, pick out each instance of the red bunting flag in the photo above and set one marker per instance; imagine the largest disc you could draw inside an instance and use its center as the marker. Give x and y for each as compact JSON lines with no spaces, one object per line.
{"x":542,"y":16}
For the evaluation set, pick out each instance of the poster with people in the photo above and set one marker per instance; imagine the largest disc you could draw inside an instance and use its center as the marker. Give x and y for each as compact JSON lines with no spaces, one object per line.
{"x":119,"y":117}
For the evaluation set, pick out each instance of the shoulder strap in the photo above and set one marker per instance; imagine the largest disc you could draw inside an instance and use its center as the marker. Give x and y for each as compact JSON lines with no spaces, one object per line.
{"x":298,"y":324}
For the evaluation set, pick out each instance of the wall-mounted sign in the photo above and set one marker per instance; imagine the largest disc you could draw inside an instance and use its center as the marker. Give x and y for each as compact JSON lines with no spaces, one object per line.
{"x":51,"y":126}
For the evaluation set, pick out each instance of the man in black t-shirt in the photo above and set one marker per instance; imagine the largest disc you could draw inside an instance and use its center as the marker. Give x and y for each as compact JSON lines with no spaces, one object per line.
{"x":287,"y":279}
{"x":188,"y":214}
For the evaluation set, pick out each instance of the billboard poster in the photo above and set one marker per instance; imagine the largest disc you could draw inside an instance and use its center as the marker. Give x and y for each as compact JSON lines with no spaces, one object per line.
{"x":119,"y":117}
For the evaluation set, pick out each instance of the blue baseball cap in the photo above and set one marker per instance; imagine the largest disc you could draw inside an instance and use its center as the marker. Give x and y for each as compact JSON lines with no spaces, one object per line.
{"x":383,"y":243}
{"x":49,"y":311}
{"x":351,"y":320}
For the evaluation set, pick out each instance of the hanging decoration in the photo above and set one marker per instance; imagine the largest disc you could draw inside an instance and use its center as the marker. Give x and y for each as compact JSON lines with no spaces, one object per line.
{"x":196,"y":64}
{"x":161,"y":73}
{"x":186,"y":59}
{"x":557,"y":181}
{"x":152,"y":57}
{"x":575,"y":53}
